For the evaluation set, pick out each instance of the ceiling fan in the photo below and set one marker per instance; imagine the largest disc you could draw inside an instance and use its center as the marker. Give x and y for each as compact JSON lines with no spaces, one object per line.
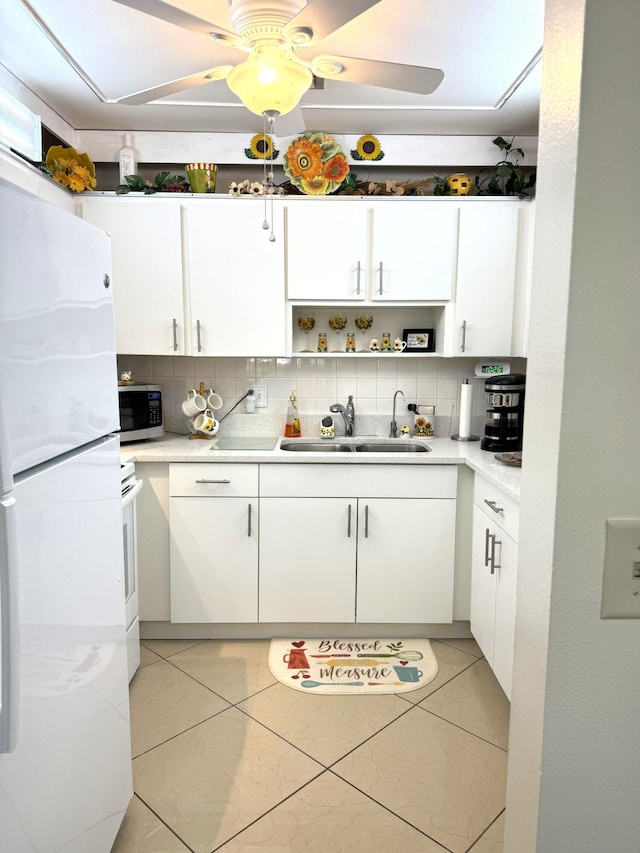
{"x":281,"y":38}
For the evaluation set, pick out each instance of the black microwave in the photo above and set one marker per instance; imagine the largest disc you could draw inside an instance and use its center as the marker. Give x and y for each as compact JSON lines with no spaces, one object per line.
{"x":140,"y":412}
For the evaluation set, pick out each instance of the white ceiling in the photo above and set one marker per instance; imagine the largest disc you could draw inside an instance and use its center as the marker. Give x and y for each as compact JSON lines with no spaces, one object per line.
{"x":484,"y":48}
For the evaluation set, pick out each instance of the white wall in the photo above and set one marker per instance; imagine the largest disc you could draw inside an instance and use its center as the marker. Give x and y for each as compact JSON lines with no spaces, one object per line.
{"x":574,"y":764}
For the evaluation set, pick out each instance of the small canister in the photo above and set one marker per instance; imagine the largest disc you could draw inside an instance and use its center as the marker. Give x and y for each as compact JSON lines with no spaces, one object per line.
{"x":351,"y":342}
{"x":322,"y":342}
{"x":385,"y":342}
{"x":327,"y":429}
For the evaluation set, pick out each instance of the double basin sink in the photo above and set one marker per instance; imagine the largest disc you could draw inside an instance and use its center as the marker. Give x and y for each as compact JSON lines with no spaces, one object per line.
{"x":392,"y":446}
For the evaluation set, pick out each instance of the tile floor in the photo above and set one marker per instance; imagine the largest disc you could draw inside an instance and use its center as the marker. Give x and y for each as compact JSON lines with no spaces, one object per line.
{"x":228,"y":759}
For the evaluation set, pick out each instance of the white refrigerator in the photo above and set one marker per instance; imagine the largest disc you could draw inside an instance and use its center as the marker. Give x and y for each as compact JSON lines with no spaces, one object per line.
{"x":65,"y":755}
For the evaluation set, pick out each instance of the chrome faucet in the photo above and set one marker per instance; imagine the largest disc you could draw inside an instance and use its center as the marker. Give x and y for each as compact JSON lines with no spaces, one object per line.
{"x":393,"y":431}
{"x":348,"y":415}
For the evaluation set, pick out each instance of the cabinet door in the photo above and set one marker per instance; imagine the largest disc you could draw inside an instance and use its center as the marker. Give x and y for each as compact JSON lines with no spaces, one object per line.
{"x":505,"y":623}
{"x":214,"y":560}
{"x":307,"y":559}
{"x":147,"y":273}
{"x":327,"y":250}
{"x":493,"y":595}
{"x":487,"y":251}
{"x":405,"y":560}
{"x":483,"y":584}
{"x":236,"y":279}
{"x":414,"y":250}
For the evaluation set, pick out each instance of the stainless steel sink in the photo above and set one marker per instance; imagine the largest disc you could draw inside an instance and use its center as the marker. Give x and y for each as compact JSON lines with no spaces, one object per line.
{"x":384,"y":447}
{"x":316,"y":447}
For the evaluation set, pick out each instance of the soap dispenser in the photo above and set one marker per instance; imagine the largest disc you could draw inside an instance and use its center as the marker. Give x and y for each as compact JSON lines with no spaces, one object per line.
{"x":292,"y":425}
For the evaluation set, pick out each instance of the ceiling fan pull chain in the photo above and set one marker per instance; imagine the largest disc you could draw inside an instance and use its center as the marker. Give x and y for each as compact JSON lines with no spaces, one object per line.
{"x":265,"y":224}
{"x":271,"y":117}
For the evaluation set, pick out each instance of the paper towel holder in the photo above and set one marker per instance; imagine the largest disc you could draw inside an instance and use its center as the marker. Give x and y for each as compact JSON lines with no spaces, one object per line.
{"x":469,"y":437}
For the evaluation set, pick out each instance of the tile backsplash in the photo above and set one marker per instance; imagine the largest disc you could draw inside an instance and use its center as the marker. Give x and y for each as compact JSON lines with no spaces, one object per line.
{"x":318,"y":383}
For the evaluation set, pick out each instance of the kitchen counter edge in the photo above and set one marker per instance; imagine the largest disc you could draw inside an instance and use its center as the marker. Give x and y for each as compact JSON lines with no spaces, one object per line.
{"x":444,"y":451}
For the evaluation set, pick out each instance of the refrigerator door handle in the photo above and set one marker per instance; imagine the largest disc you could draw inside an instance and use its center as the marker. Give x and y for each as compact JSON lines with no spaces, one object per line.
{"x":9,"y":637}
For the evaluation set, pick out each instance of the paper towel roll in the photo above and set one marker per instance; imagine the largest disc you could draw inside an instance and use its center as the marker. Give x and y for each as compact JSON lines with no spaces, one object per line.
{"x":464,"y":430}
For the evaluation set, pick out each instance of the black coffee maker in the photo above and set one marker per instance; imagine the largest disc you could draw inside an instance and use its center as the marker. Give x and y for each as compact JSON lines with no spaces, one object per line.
{"x":505,"y":412}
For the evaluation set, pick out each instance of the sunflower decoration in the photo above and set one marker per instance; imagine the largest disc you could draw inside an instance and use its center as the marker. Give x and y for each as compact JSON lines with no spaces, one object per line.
{"x":315,"y":164}
{"x":367,"y":148}
{"x":72,"y":170}
{"x":261,"y":148}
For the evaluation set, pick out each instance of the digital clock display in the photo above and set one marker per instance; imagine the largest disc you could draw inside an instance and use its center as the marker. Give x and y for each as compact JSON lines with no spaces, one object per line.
{"x":492,"y":368}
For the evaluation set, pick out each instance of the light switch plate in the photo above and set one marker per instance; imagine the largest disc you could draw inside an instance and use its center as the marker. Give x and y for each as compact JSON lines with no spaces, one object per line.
{"x":621,"y":578}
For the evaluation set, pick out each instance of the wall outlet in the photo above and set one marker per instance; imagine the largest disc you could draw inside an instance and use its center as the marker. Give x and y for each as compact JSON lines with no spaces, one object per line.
{"x":260,"y":392}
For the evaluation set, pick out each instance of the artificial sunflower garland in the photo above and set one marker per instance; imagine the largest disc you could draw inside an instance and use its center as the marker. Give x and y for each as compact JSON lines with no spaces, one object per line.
{"x":261,"y":148}
{"x":367,"y":148}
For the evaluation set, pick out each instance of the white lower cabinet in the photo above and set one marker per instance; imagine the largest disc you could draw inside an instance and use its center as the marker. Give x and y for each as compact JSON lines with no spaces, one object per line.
{"x":494,"y":577}
{"x":214,"y":542}
{"x":307,"y":559}
{"x":331,"y":553}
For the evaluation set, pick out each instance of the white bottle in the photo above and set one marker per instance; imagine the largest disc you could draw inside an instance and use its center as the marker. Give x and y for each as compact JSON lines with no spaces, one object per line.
{"x":251,"y":403}
{"x":127,"y":159}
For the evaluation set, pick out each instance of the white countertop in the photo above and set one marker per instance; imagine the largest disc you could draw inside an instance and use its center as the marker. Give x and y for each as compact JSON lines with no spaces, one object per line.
{"x":444,"y":451}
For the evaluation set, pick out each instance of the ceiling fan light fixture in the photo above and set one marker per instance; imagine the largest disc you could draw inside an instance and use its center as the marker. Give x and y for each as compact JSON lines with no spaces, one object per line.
{"x":270,"y":79}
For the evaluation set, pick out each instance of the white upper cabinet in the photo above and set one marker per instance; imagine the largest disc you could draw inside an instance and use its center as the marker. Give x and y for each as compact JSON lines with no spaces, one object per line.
{"x":235,"y":278}
{"x":327,"y":250}
{"x":413,"y":250}
{"x":147,"y":272}
{"x":486,"y":280}
{"x":377,"y":251}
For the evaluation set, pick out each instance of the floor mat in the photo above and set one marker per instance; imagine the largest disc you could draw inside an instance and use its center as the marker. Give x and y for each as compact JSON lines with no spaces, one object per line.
{"x":353,"y":666}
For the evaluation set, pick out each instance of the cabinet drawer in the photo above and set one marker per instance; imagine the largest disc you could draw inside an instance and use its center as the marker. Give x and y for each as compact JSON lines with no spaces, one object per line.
{"x":212,"y":479}
{"x":503,"y":510}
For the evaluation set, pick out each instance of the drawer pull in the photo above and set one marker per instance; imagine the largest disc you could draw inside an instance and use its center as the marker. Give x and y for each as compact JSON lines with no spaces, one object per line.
{"x":358,"y":279}
{"x":349,"y":522}
{"x":493,"y":506}
{"x":366,"y":521}
{"x":487,"y":536}
{"x":249,"y":522}
{"x":213,"y":481}
{"x":175,"y":335}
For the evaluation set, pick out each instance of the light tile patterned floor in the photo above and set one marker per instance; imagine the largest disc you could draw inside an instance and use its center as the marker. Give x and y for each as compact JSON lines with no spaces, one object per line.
{"x":228,"y":759}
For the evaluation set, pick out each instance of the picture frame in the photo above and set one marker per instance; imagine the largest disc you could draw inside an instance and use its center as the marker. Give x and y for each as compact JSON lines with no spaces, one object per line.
{"x":419,"y":340}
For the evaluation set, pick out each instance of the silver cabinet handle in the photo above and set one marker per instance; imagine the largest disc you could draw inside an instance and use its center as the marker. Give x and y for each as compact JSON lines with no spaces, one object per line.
{"x":493,"y":506}
{"x":358,"y":279}
{"x":366,"y":521}
{"x":175,"y":335}
{"x":463,"y":345}
{"x":213,"y":481}
{"x":199,"y":336}
{"x":380,"y":279}
{"x":249,"y":521}
{"x":494,"y":565}
{"x":349,"y":522}
{"x":487,"y":536}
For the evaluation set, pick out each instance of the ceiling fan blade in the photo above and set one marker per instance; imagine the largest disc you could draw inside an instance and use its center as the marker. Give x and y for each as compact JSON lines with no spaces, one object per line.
{"x":146,"y":95}
{"x":291,"y":124}
{"x":325,"y":16}
{"x":387,"y":75}
{"x":166,"y":12}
